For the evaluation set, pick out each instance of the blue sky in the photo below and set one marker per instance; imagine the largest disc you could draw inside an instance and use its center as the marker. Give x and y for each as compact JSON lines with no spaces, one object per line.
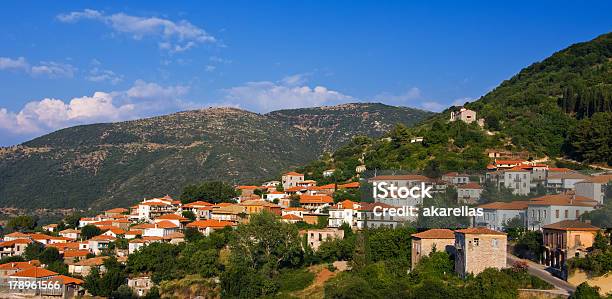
{"x":65,"y":63}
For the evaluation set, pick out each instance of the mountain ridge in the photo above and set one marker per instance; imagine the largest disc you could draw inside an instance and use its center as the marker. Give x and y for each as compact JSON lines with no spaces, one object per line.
{"x":103,"y":165}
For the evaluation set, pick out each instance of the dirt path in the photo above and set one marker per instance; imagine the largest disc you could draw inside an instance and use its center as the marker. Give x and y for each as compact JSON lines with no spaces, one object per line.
{"x":317,"y":288}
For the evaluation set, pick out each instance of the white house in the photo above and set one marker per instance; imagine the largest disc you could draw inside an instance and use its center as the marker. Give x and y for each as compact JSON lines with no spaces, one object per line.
{"x":497,"y":214}
{"x":593,"y":187}
{"x":554,"y":208}
{"x":343,"y":212}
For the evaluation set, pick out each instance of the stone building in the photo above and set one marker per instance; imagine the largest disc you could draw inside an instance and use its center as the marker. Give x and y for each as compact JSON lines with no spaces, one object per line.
{"x":479,"y":248}
{"x":566,"y":239}
{"x":423,"y":243}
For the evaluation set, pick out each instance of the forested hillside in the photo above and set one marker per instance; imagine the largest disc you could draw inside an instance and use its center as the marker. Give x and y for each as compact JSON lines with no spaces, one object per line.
{"x":116,"y":164}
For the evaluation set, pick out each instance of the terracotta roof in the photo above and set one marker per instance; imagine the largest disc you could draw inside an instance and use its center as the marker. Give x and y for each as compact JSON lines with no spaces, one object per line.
{"x":479,"y":231}
{"x":13,"y":242}
{"x":470,"y":185}
{"x":345,"y":204}
{"x":517,"y":169}
{"x":572,"y":225}
{"x":306,"y":199}
{"x":75,"y":253}
{"x":20,"y":265}
{"x":601,"y":179}
{"x":103,"y":238}
{"x":116,"y":230}
{"x":34,"y":272}
{"x":133,"y":232}
{"x":349,"y":185}
{"x":64,"y":246}
{"x":563,"y":200}
{"x":407,"y":177}
{"x":117,"y":210}
{"x":67,"y":280}
{"x":436,"y":233}
{"x":144,"y":225}
{"x":500,"y":205}
{"x":293,"y":173}
{"x":210,"y":223}
{"x":196,"y":204}
{"x":328,"y":186}
{"x":257,"y":202}
{"x":369,"y":206}
{"x":16,"y":235}
{"x":292,"y":217}
{"x":166,"y":224}
{"x":155,"y":203}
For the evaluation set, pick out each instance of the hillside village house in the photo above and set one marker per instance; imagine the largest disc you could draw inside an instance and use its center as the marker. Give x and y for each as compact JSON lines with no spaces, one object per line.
{"x":469,"y":193}
{"x":455,"y":178}
{"x":99,"y":243}
{"x":149,"y":209}
{"x":497,"y":214}
{"x":178,"y":220}
{"x":563,"y":181}
{"x":342,"y":212}
{"x":328,"y":173}
{"x":84,"y":267}
{"x":479,"y":248}
{"x":423,"y":243}
{"x":257,"y":206}
{"x":316,"y":236}
{"x":315,"y":203}
{"x":566,"y":239}
{"x":72,"y":234}
{"x":517,"y":179}
{"x":274,"y":195}
{"x":13,"y":247}
{"x":550,"y":209}
{"x":230,"y":212}
{"x":297,"y":211}
{"x":201,"y":209}
{"x":593,"y":187}
{"x":140,"y":284}
{"x":465,"y":115}
{"x":290,"y":179}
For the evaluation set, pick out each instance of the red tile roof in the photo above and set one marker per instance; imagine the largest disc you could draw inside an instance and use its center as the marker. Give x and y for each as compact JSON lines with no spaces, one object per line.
{"x":500,"y":205}
{"x":75,"y":253}
{"x":196,"y":204}
{"x":34,"y":272}
{"x":572,"y":225}
{"x":67,"y":280}
{"x":293,"y":173}
{"x":436,"y":233}
{"x":210,"y":223}
{"x":479,"y":231}
{"x":117,"y":210}
{"x":470,"y":185}
{"x":351,"y":185}
{"x":292,"y":217}
{"x":307,"y":199}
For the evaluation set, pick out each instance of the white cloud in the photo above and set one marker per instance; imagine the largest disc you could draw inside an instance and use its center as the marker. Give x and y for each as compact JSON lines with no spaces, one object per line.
{"x":264,"y":96}
{"x":210,"y":68}
{"x":49,"y":69}
{"x":53,"y":70}
{"x":101,"y":75}
{"x":7,"y":63}
{"x":176,"y":36}
{"x":49,"y":114}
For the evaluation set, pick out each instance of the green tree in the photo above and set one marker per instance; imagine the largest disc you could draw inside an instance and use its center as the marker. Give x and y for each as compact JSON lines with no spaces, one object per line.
{"x":33,"y":250}
{"x":89,"y":231}
{"x":210,"y":191}
{"x":49,"y":255}
{"x":189,"y":215}
{"x":21,"y":223}
{"x":585,"y":291}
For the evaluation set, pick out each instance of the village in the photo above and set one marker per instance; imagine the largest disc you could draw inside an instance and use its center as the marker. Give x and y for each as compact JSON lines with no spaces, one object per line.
{"x":295,"y":199}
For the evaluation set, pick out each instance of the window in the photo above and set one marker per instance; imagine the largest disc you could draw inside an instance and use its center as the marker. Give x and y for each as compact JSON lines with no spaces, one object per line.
{"x":577,"y":214}
{"x":476,"y":241}
{"x":557,"y":213}
{"x":566,"y":213}
{"x":494,"y":243}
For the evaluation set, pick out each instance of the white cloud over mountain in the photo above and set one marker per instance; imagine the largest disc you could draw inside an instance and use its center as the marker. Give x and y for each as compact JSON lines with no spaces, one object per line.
{"x":174,"y":36}
{"x":49,"y":114}
{"x":290,"y":92}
